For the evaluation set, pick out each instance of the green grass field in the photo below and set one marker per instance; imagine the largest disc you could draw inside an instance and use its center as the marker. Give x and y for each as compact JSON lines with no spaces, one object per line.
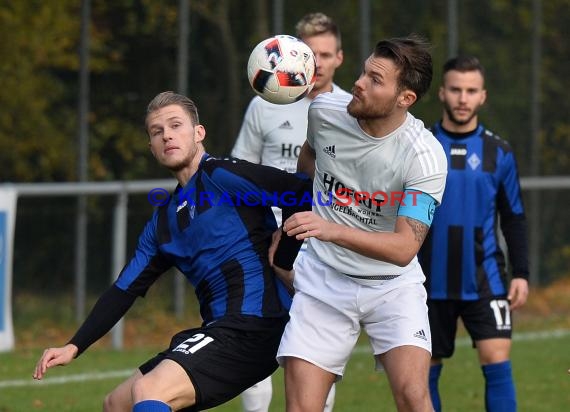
{"x":540,"y":367}
{"x":541,"y":358}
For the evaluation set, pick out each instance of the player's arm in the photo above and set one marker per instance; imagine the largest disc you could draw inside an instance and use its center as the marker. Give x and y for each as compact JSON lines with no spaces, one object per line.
{"x":134,"y":280}
{"x":267,"y":186}
{"x":514,"y":228}
{"x":398,"y":247}
{"x":306,"y":160}
{"x":110,"y":307}
{"x":249,"y":142}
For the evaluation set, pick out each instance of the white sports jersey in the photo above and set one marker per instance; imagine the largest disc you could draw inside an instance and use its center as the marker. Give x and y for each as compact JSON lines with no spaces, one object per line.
{"x":371,"y":174}
{"x":272,"y":134}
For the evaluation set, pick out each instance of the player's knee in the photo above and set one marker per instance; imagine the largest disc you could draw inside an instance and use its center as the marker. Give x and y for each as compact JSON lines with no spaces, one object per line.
{"x":412,"y":397}
{"x":112,"y":404}
{"x":144,"y":388}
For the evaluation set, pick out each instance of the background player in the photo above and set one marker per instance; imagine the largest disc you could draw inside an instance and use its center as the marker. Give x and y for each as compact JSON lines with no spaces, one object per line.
{"x":221,"y":245}
{"x":273,"y":135}
{"x":462,"y":258}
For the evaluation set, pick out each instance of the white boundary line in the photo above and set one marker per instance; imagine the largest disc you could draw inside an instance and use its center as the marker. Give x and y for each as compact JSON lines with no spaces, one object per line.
{"x":526,"y":336}
{"x":68,"y":378}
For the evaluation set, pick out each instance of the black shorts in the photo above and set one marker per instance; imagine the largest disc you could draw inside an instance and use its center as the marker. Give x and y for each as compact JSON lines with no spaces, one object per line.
{"x":486,"y":318}
{"x":224,"y":360}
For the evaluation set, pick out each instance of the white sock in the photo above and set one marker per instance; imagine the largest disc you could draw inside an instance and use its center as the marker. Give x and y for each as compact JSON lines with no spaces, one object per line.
{"x":330,"y":399}
{"x":258,"y":397}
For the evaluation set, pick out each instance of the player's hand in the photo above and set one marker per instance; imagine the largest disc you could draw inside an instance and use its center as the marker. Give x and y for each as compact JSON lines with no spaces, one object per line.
{"x":518,"y":293}
{"x":304,"y":225}
{"x":54,"y":357}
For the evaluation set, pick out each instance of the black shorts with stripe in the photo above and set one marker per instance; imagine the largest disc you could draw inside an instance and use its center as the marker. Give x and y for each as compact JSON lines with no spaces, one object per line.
{"x":486,"y":318}
{"x":224,"y":358}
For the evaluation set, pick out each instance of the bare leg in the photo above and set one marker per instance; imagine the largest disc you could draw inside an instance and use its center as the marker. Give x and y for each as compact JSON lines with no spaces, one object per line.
{"x":306,"y":386}
{"x":407,"y":368}
{"x":493,"y":350}
{"x":167,"y":382}
{"x":120,"y":399}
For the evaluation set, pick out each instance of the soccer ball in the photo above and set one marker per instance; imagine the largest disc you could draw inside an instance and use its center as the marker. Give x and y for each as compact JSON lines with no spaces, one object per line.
{"x":281,"y":69}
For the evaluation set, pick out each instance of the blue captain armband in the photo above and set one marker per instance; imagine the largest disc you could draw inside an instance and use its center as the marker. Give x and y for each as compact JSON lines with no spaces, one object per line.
{"x":418,"y":205}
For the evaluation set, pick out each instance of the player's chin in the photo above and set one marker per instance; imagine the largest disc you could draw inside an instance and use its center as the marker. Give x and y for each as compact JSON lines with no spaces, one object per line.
{"x":320,"y":83}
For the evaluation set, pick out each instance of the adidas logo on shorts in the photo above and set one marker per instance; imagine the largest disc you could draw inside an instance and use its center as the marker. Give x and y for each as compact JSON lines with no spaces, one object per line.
{"x":420,"y":334}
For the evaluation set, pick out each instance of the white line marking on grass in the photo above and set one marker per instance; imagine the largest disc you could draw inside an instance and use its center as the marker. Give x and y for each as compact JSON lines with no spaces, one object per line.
{"x":66,"y":379}
{"x":84,"y":377}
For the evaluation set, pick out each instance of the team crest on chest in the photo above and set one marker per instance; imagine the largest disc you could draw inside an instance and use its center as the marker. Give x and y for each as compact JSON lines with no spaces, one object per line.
{"x":474,"y":161}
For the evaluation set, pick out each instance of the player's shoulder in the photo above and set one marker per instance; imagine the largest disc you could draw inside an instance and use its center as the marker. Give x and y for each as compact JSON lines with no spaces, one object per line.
{"x":231,"y":163}
{"x":331,"y":101}
{"x":422,"y":140}
{"x":339,"y":90}
{"x":494,"y":139}
{"x":416,"y":129}
{"x":259,"y":104}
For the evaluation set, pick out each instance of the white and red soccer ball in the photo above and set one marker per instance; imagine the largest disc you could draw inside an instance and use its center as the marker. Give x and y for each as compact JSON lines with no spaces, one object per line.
{"x":281,"y":69}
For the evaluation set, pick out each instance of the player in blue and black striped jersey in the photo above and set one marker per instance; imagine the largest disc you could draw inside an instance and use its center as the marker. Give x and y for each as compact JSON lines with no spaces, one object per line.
{"x":462,"y":258}
{"x":216,"y":228}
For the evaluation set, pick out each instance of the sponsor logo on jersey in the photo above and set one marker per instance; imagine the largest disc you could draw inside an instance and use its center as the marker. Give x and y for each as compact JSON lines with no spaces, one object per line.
{"x":330,"y":150}
{"x":286,"y":125}
{"x":288,"y":150}
{"x":458,"y":151}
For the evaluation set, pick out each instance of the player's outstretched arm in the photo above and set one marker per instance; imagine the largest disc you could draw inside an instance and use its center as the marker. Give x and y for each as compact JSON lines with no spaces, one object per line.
{"x":54,"y":357}
{"x":110,"y":307}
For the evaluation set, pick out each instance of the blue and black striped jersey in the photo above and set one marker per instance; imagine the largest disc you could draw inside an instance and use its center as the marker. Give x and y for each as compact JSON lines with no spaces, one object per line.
{"x":217,"y":230}
{"x":461,"y":256}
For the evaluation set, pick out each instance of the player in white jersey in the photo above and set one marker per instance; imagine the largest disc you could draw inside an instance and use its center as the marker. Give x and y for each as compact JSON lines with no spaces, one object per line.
{"x":378,"y":176}
{"x":273,"y":134}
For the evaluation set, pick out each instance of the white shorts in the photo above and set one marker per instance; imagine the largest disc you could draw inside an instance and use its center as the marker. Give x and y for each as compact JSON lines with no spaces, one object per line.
{"x":330,"y":308}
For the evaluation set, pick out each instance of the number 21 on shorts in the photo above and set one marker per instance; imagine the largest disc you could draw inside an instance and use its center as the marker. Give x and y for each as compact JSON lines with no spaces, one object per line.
{"x":193,"y":344}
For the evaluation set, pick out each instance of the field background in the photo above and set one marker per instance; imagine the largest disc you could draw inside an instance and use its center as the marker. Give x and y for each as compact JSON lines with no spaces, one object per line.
{"x":541,"y":359}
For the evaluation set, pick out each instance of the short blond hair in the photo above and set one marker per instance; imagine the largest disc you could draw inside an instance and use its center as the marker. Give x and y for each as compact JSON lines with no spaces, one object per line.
{"x":169,"y":98}
{"x":314,"y":24}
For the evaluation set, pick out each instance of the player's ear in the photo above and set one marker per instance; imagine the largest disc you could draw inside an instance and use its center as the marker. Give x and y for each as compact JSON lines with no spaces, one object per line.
{"x":199,"y":133}
{"x":407,"y":98}
{"x":440,"y":94}
{"x":483,"y":96}
{"x":339,"y":58}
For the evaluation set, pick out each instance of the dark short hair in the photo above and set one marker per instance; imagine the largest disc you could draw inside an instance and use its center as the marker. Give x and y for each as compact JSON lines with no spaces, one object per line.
{"x":463,"y":64}
{"x":169,"y":98}
{"x":313,"y":24}
{"x":412,"y":57}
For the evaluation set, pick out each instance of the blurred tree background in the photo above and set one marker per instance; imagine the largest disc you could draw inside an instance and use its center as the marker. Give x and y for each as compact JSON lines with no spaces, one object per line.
{"x":133,"y":56}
